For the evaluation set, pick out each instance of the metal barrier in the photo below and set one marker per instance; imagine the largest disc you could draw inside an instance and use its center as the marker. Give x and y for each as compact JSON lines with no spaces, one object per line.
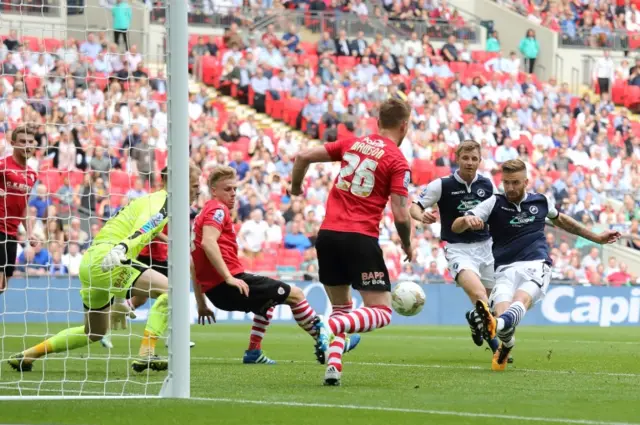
{"x":257,"y":19}
{"x":45,"y":8}
{"x":617,"y":40}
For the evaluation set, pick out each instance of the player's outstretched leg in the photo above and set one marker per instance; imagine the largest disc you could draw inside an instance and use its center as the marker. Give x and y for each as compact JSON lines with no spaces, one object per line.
{"x":153,"y":284}
{"x":96,"y":326}
{"x":254,"y":354}
{"x":347,"y":342}
{"x":501,"y":356}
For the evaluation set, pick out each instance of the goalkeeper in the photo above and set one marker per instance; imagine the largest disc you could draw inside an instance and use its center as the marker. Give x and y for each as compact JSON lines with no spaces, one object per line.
{"x":108,"y":271}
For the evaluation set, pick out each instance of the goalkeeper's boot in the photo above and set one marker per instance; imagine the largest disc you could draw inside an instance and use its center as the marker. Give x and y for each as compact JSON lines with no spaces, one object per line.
{"x":323,"y":338}
{"x":152,"y":362}
{"x":106,"y":342}
{"x":475,"y":323}
{"x":18,"y":363}
{"x":256,"y":357}
{"x":350,"y":343}
{"x":501,"y":358}
{"x":332,"y":377}
{"x":489,"y":323}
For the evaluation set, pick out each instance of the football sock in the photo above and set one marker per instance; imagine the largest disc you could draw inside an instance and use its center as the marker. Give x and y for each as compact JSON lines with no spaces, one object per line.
{"x":259,"y":328}
{"x":335,"y":351}
{"x":304,"y":315}
{"x":156,"y":326}
{"x":364,"y":319}
{"x":336,"y":348}
{"x":512,"y":317}
{"x":508,"y":337}
{"x":66,"y":340}
{"x":494,"y":344}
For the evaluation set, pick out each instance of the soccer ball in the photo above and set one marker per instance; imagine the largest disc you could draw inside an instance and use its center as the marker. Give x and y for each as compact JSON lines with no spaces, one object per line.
{"x":408,"y":298}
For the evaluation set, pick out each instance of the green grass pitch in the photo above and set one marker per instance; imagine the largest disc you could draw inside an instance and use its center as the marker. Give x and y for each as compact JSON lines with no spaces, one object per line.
{"x":399,"y":375}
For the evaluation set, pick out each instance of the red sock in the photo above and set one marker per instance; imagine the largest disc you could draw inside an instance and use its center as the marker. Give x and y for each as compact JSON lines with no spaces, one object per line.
{"x":258,"y":329}
{"x":304,"y":315}
{"x":364,"y":319}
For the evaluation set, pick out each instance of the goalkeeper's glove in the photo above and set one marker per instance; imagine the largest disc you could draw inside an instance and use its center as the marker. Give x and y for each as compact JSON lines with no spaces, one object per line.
{"x":120,"y":310}
{"x":116,"y":257}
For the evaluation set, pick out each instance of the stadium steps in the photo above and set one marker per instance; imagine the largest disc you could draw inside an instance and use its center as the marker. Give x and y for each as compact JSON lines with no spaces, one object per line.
{"x":262,"y":120}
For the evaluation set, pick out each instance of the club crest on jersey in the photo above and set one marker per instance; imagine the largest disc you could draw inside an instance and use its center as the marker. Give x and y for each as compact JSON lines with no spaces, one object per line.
{"x":481,"y":193}
{"x":407,"y":179}
{"x":218,"y":216}
{"x":533,"y":209}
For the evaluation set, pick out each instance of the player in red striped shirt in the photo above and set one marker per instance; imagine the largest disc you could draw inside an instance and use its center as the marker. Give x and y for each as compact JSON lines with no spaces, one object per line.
{"x":218,"y":274}
{"x":373,"y":169}
{"x":16,"y":182}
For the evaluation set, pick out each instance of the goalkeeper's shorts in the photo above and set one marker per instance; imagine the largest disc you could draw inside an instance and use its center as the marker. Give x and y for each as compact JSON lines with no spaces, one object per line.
{"x":99,"y":287}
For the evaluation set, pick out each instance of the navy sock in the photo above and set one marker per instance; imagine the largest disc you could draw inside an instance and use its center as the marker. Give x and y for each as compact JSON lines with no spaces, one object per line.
{"x":513,"y":315}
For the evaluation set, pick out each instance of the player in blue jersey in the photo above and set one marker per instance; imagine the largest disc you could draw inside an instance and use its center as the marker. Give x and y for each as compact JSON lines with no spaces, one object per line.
{"x":516,"y":222}
{"x":468,"y":254}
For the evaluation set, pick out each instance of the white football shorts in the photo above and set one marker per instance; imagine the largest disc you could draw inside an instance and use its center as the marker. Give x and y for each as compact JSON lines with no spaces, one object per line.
{"x":532,"y":277}
{"x":475,"y":257}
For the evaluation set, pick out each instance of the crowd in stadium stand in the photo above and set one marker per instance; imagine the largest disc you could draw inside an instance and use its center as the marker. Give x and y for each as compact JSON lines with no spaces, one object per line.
{"x":101,"y":111}
{"x":586,"y":23}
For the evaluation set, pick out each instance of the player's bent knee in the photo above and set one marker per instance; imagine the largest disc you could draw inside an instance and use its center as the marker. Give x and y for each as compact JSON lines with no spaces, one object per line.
{"x":295,"y":295}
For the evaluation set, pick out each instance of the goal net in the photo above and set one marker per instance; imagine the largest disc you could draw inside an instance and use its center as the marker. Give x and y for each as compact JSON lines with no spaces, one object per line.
{"x":81,"y":76}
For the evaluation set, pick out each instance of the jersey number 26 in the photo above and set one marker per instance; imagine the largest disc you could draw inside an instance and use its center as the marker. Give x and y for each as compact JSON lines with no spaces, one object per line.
{"x":363,"y":179}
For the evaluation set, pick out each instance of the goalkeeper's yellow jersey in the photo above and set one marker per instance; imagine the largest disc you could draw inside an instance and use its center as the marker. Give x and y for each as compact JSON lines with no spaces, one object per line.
{"x":136,"y":224}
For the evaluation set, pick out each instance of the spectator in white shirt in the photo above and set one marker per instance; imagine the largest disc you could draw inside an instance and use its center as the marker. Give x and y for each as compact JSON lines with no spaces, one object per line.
{"x":280,"y":82}
{"x":39,"y":68}
{"x":604,"y":72}
{"x":592,"y":259}
{"x":195,"y":109}
{"x":253,"y":234}
{"x":132,"y":57}
{"x":506,"y":152}
{"x":68,"y":53}
{"x":274,"y":231}
{"x":72,"y":259}
{"x":413,"y":44}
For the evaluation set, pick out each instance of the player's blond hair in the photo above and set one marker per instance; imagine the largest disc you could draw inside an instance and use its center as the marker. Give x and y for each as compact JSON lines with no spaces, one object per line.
{"x":221,"y":172}
{"x":393,"y":112}
{"x":468,"y":146}
{"x":22,"y":129}
{"x":514,"y":166}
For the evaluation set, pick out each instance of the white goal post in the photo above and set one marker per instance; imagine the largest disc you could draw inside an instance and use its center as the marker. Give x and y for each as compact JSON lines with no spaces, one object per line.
{"x":30,"y":310}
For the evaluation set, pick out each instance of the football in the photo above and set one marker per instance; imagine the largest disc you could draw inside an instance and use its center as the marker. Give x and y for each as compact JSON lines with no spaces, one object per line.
{"x":408,"y":298}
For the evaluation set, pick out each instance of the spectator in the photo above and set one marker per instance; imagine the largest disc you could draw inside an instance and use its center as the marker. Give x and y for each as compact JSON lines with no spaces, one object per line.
{"x":326,"y":44}
{"x":253,"y":234}
{"x":122,"y":15}
{"x":73,"y":258}
{"x":604,"y":72}
{"x":493,"y":43}
{"x":41,"y":201}
{"x":449,"y":51}
{"x":57,"y":268}
{"x":274,"y":231}
{"x":529,"y":48}
{"x":295,"y":239}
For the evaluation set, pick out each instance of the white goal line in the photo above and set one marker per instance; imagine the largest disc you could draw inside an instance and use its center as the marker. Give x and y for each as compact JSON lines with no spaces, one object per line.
{"x":431,"y":412}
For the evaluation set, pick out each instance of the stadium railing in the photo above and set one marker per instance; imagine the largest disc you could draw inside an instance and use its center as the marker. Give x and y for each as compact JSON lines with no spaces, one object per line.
{"x":47,"y":8}
{"x":616,"y":40}
{"x":258,"y":19}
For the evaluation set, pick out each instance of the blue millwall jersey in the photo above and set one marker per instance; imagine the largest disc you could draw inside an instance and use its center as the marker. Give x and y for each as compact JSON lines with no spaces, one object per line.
{"x":517,"y":229}
{"x":455,"y":197}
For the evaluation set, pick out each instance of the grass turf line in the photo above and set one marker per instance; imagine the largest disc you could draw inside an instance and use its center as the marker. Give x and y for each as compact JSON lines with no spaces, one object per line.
{"x":559,"y":373}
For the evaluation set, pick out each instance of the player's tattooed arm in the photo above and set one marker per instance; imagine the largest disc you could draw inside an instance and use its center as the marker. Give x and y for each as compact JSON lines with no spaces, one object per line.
{"x":570,"y":225}
{"x":401,"y":218}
